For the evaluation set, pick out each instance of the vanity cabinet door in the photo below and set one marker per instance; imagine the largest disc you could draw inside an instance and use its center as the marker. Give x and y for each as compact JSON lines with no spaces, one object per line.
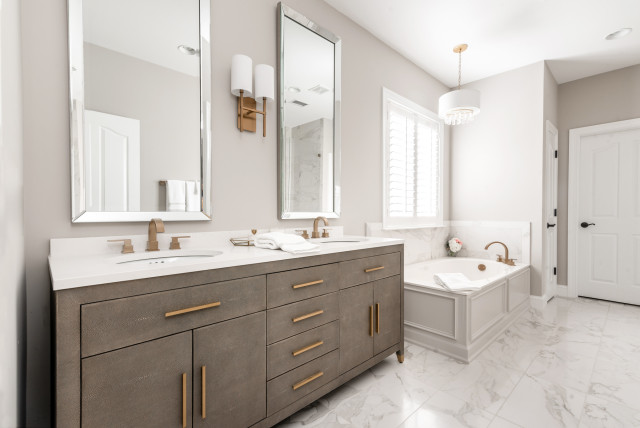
{"x":386,"y":299}
{"x":230,"y":372}
{"x":356,"y":326}
{"x":146,"y":385}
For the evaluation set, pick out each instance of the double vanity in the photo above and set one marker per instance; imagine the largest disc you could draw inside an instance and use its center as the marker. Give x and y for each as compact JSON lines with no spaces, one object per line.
{"x":231,"y":337}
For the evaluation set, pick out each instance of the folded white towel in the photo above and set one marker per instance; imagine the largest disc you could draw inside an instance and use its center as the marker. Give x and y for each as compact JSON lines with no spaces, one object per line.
{"x":193,"y":196}
{"x":455,"y":282}
{"x":176,"y":195}
{"x":285,"y":241}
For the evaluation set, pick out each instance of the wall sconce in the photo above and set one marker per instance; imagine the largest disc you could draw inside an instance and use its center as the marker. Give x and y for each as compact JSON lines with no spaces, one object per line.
{"x":242,"y":87}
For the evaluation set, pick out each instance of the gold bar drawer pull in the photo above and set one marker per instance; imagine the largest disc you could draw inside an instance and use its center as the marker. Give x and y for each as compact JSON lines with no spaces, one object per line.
{"x":307,"y":380}
{"x":307,"y":348}
{"x":373,"y":269}
{"x":193,"y":309}
{"x":312,"y":314}
{"x":306,"y":284}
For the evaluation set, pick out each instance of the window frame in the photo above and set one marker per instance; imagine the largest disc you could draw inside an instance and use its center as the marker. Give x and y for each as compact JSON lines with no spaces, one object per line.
{"x":414,"y":222}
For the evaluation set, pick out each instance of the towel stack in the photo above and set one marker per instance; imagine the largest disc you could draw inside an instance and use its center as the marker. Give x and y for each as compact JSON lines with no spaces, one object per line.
{"x":183,"y":196}
{"x":455,"y":282}
{"x":286,"y":242}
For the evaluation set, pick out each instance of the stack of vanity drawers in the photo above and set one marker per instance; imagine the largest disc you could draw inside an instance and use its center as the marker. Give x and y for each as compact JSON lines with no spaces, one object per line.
{"x":302,"y":324}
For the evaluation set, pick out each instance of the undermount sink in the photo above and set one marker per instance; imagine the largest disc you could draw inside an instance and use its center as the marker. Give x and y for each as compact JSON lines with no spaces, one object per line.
{"x":164,"y":257}
{"x":344,"y":239}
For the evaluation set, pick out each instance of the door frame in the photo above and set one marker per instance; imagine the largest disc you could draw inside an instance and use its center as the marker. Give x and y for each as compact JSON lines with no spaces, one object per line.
{"x":575,"y":136}
{"x":550,"y":290}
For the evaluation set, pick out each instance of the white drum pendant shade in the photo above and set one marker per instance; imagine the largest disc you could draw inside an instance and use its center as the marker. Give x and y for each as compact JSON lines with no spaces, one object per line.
{"x":459,"y":106}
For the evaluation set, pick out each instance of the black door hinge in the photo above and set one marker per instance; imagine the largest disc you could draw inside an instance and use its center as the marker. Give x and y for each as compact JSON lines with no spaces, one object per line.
{"x":556,"y":154}
{"x":555,"y":212}
{"x":555,"y":271}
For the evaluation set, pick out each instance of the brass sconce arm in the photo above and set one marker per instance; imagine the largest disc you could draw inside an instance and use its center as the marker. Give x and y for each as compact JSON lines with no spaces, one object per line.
{"x":247,"y":114}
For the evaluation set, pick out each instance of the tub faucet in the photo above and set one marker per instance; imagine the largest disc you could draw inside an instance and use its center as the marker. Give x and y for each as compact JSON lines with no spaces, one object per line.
{"x":155,"y":226}
{"x":506,"y":260}
{"x":315,"y":233}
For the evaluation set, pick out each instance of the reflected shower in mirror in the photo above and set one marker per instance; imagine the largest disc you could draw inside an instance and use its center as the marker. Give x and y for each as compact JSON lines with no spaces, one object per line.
{"x":139,"y":83}
{"x":309,"y":79}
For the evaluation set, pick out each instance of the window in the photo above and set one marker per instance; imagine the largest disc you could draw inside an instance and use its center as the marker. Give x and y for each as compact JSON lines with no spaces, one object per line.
{"x":413,"y":164}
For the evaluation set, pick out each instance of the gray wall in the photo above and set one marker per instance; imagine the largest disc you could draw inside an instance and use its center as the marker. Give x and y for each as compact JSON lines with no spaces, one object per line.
{"x":607,"y":97}
{"x":241,"y":199}
{"x":167,"y":104}
{"x":12,"y":268}
{"x":496,"y":160}
{"x":550,"y":113}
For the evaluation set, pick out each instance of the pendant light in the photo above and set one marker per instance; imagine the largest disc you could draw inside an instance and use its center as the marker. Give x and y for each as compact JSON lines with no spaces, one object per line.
{"x":461,"y":105}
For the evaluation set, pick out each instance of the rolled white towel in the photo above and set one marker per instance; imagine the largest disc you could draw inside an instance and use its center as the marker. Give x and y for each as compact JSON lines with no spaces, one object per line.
{"x":286,"y":242}
{"x":455,"y":282}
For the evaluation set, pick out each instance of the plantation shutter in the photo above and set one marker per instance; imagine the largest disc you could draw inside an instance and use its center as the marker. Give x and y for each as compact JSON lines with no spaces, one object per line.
{"x":413,"y":176}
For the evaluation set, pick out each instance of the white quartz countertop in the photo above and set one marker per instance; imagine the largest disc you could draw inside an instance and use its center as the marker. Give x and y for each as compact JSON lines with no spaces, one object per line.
{"x":81,"y":262}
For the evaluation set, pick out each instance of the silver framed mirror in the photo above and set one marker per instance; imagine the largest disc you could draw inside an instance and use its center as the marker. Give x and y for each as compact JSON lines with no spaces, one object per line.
{"x":309,"y":88}
{"x":140,"y":110}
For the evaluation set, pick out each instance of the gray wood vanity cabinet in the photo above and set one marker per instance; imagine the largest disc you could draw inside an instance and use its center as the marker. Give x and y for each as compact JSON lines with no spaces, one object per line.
{"x":231,"y":347}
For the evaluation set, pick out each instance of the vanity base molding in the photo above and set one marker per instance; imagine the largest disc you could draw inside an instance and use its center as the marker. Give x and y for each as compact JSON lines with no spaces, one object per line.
{"x":237,"y":327}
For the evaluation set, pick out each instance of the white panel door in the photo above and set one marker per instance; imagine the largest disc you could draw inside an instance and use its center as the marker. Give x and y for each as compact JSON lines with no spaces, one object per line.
{"x":551,"y":211}
{"x":112,"y":156}
{"x":608,"y":216}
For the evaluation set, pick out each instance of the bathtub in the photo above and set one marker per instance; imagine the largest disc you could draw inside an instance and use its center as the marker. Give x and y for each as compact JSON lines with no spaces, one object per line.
{"x":462,"y":323}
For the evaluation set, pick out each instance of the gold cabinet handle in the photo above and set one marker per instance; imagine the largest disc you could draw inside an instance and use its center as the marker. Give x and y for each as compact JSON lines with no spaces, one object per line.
{"x":306,"y":284}
{"x":378,"y":318}
{"x":373,"y":269}
{"x":307,"y":348}
{"x":371,"y":321}
{"x":204,"y":392}
{"x":193,"y":309}
{"x":307,"y":380}
{"x":184,"y":400}
{"x":312,"y":314}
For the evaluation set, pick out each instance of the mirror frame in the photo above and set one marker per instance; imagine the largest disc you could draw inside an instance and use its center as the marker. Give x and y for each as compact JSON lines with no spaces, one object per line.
{"x":285,"y":12}
{"x":79,"y":213}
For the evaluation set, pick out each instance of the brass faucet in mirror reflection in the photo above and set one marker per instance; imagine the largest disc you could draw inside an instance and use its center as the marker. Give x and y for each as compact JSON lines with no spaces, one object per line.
{"x":155,"y":226}
{"x":506,"y":260}
{"x":315,"y":233}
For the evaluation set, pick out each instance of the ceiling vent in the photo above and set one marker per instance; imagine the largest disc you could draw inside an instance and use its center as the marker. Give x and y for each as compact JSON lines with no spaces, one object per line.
{"x":319,"y":89}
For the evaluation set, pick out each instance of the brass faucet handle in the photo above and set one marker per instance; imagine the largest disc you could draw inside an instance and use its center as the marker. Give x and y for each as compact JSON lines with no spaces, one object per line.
{"x":175,"y":243}
{"x":510,"y":262}
{"x":499,"y":259}
{"x":304,"y":233}
{"x":325,"y":234}
{"x":127,"y":248}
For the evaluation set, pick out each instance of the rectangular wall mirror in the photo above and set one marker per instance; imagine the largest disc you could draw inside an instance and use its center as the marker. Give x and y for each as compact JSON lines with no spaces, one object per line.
{"x":308,"y":117}
{"x":140,"y":82}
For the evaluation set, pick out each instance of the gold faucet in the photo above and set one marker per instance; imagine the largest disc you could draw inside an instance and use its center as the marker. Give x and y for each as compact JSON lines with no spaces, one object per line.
{"x":315,"y":233}
{"x":506,"y":260}
{"x":155,"y":226}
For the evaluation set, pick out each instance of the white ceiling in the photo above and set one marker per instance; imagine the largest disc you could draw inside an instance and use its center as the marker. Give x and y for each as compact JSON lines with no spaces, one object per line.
{"x":503,"y":34}
{"x":150,"y":30}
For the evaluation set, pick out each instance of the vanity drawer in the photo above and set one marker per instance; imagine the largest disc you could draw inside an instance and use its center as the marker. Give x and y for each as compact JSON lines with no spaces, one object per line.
{"x":118,"y":323}
{"x":299,"y":382}
{"x":295,"y":318}
{"x":302,"y":348}
{"x":295,"y":285}
{"x":359,"y":271}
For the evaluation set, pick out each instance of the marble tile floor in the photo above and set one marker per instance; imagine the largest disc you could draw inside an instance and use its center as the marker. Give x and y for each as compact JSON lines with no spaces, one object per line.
{"x":575,"y":364}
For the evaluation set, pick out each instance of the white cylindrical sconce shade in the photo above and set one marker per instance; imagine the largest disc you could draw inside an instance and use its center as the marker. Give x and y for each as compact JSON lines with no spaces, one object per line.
{"x":264,"y":81}
{"x":241,"y":75}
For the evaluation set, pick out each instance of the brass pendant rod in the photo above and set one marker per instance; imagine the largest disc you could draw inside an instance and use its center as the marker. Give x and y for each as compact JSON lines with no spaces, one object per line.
{"x":459,"y":68}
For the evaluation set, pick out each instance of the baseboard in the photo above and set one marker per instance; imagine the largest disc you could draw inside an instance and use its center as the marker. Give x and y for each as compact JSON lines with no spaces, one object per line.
{"x":538,"y":302}
{"x":562,"y":290}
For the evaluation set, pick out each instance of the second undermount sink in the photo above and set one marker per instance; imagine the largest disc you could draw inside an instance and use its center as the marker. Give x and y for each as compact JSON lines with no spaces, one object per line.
{"x":166,"y":257}
{"x":343,"y":239}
